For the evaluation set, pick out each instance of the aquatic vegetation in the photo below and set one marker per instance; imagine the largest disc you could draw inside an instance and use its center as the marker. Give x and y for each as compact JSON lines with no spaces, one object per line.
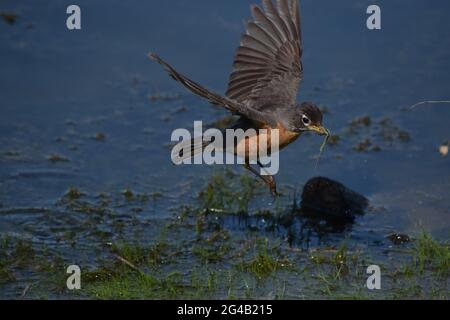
{"x":339,"y":260}
{"x":57,"y":158}
{"x":265,"y":262}
{"x":19,"y":256}
{"x":136,"y":254}
{"x":216,"y":236}
{"x":133,"y":253}
{"x":99,"y":136}
{"x":99,"y":275}
{"x":133,"y":285}
{"x":72,"y":194}
{"x":430,"y":254}
{"x":132,"y":196}
{"x":88,"y":207}
{"x":128,"y":194}
{"x":369,"y":135}
{"x":390,"y":132}
{"x":85,"y":177}
{"x":6,"y":275}
{"x":364,"y":145}
{"x":9,"y":17}
{"x":359,"y":123}
{"x":204,"y":285}
{"x":199,"y":253}
{"x":334,"y":139}
{"x":403,"y":136}
{"x":210,"y":253}
{"x":224,"y":192}
{"x":136,"y":271}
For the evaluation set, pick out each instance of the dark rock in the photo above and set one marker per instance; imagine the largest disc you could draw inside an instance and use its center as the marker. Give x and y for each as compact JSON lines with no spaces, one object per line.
{"x":326,"y":199}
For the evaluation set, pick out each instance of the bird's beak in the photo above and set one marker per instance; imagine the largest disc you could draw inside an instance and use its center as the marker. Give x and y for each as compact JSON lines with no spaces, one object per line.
{"x":321,"y":130}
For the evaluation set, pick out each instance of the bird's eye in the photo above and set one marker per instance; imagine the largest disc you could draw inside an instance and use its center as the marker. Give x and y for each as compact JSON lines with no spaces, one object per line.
{"x":306,"y":120}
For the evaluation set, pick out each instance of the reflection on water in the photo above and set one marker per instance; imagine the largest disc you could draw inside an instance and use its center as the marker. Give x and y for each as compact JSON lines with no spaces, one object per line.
{"x":293,"y":227}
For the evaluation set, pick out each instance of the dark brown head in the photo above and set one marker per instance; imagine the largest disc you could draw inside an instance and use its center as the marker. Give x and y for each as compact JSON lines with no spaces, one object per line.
{"x":308,"y":117}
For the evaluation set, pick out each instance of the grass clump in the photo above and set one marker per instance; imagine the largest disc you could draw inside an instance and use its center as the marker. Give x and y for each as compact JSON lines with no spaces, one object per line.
{"x":73,"y":194}
{"x":20,"y":256}
{"x":430,"y":254}
{"x":211,"y":254}
{"x":134,"y":285}
{"x":266,"y":262}
{"x":134,"y":253}
{"x":339,"y":260}
{"x":6,"y":274}
{"x":137,"y":254}
{"x":225,"y":192}
{"x":203,"y":286}
{"x":15,"y":253}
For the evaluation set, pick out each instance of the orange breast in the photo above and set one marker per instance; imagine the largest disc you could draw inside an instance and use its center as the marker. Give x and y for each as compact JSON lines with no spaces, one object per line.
{"x":250,"y":145}
{"x":286,"y":137}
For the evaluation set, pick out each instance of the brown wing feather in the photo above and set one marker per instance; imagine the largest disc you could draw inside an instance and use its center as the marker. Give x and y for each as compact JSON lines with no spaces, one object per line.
{"x":267,"y":69}
{"x":232,"y":105}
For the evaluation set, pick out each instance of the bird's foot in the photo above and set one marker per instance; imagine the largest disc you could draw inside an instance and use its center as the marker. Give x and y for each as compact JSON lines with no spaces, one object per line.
{"x":272,"y":186}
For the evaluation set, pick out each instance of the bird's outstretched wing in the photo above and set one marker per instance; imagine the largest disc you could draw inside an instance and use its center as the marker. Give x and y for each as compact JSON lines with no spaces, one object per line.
{"x":267,"y":69}
{"x":235,"y":107}
{"x":195,"y":87}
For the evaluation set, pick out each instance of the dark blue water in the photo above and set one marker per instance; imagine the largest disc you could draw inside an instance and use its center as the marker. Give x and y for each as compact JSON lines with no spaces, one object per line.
{"x":60,"y":88}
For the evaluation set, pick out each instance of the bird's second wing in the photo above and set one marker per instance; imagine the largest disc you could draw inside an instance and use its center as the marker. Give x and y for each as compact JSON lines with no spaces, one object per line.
{"x":267,"y":68}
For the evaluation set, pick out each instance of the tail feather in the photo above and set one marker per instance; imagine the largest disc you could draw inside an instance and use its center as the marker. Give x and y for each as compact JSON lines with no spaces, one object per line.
{"x":193,"y":147}
{"x":196,"y":88}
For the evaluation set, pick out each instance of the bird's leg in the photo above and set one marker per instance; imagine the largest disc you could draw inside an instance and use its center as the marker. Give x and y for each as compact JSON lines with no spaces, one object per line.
{"x":272,"y":183}
{"x":269,"y":180}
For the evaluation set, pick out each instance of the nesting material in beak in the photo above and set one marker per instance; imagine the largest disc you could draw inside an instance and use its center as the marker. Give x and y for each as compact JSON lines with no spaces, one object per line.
{"x":327,"y":136}
{"x":319,"y":130}
{"x":323,"y":132}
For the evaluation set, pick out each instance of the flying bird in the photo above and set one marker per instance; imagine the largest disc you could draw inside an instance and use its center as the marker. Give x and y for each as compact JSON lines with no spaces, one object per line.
{"x":263,"y":84}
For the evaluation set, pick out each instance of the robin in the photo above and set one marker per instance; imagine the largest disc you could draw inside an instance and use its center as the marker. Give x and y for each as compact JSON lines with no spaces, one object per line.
{"x":263,"y":85}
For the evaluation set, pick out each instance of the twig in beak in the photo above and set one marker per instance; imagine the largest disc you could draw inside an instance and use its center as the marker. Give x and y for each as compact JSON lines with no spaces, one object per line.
{"x":322,"y":147}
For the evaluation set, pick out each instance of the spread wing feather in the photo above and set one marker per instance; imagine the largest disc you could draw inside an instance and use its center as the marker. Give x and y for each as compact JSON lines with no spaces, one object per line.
{"x":267,"y":69}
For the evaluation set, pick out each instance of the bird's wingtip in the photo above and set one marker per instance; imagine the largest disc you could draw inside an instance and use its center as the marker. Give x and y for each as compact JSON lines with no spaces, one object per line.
{"x":152,"y":56}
